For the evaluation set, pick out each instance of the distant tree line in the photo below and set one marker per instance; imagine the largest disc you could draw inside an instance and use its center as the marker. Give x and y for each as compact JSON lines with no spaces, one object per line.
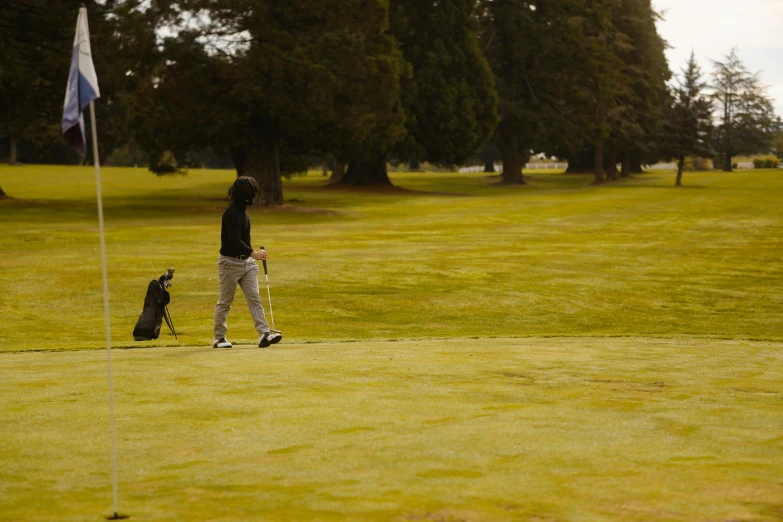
{"x":279,"y":86}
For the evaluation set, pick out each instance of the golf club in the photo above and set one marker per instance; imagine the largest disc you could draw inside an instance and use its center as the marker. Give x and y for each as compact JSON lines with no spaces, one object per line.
{"x":269,"y":294}
{"x":165,"y":281}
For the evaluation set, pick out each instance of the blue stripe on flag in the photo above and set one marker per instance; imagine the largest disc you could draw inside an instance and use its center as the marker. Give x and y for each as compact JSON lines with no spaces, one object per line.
{"x":72,"y":109}
{"x":86,"y":92}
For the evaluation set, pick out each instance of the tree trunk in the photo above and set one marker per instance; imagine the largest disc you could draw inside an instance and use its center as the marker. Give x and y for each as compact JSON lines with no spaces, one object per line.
{"x":512,"y":159}
{"x":239,"y":157}
{"x":599,"y":163}
{"x":635,"y":162}
{"x":324,"y":168}
{"x":680,"y":167}
{"x":2,"y":193}
{"x":338,"y":171}
{"x":610,"y":164}
{"x":367,"y":172}
{"x":12,"y":152}
{"x":582,"y":163}
{"x":489,"y":166}
{"x":262,"y":163}
{"x":625,"y":171}
{"x":728,"y":167}
{"x":414,"y":165}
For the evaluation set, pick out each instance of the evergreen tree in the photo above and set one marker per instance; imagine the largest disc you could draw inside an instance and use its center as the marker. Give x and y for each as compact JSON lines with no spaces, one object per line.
{"x":687,"y":127}
{"x":36,"y":39}
{"x":777,"y":141}
{"x":745,"y":113}
{"x":605,"y":104}
{"x":448,"y":95}
{"x":521,"y":40}
{"x":645,"y":67}
{"x":558,"y":75}
{"x":632,"y":90}
{"x":33,"y":58}
{"x":255,"y":78}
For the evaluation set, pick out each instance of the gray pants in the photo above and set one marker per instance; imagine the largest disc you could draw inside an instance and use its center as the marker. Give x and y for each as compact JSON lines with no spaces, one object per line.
{"x":245,"y":273}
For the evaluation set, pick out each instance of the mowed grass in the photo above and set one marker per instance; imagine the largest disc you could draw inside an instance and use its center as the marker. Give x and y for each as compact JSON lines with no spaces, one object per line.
{"x":563,"y":351}
{"x":454,"y":256}
{"x":540,"y":429}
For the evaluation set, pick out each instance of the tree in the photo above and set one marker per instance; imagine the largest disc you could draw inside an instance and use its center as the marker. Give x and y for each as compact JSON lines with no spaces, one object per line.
{"x":646,"y":69}
{"x":270,"y":77}
{"x":631,"y":91}
{"x":558,"y":75}
{"x":448,"y":96}
{"x":34,"y":58}
{"x":777,"y":142}
{"x":488,"y":155}
{"x":686,"y":129}
{"x":514,"y":40}
{"x":36,"y":40}
{"x":602,"y":101}
{"x":745,"y":113}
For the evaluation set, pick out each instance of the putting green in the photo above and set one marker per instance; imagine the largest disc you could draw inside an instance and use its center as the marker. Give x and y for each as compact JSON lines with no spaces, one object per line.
{"x":631,"y":429}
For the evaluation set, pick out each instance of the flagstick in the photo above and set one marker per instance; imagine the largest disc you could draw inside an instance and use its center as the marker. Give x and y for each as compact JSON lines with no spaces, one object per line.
{"x":105,"y":305}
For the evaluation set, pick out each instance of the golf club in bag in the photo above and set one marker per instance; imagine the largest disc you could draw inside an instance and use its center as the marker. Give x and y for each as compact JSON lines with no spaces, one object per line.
{"x":269,"y":295}
{"x":155,"y":309}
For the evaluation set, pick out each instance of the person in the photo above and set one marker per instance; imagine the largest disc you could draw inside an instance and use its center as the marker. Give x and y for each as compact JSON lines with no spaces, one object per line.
{"x":237,"y":265}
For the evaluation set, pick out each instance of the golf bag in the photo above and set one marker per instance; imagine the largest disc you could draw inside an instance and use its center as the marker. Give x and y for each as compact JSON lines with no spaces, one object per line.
{"x":155,"y":309}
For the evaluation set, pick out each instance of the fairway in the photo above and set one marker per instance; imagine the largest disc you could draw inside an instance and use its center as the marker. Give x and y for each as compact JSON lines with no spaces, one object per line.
{"x":545,"y":429}
{"x":454,"y":350}
{"x":451,"y":256}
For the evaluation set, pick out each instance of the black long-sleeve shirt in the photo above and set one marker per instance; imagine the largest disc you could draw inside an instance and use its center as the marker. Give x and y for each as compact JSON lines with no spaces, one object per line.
{"x":235,"y":232}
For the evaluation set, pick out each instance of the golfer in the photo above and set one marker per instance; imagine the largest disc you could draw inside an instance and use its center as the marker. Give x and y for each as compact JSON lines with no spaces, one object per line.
{"x":237,"y":265}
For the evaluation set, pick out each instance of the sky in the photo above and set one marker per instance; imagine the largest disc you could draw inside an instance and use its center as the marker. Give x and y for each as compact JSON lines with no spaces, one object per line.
{"x":712,"y":27}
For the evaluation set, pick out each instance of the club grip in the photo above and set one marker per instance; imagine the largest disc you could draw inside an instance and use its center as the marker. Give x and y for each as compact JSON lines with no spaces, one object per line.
{"x":264,"y":261}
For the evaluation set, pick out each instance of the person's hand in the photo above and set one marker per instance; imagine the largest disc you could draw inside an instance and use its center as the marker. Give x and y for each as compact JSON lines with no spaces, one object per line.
{"x":259,"y":255}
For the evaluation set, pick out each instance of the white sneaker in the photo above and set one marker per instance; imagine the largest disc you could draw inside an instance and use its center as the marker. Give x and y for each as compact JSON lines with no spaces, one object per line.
{"x":222,"y":343}
{"x":268,"y":339}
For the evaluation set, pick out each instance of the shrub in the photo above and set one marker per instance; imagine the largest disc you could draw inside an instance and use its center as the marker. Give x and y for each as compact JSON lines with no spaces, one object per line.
{"x":766,"y":162}
{"x":165,"y":164}
{"x":695,"y":164}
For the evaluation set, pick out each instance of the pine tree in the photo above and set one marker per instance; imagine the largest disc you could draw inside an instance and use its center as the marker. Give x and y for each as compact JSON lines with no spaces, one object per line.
{"x":686,"y":129}
{"x":746,"y":114}
{"x":448,"y":96}
{"x":642,"y":53}
{"x":558,"y":76}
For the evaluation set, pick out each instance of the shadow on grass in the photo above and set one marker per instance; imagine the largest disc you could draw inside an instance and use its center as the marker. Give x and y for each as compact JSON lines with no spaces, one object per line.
{"x":382,"y":190}
{"x":143,"y":207}
{"x":648,"y":186}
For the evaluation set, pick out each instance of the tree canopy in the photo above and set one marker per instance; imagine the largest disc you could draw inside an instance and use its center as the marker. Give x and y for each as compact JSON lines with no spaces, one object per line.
{"x":745,"y":113}
{"x":686,"y":127}
{"x":448,"y":94}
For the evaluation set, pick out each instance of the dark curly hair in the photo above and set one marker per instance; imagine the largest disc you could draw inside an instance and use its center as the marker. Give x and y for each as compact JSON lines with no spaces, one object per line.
{"x":244,"y":188}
